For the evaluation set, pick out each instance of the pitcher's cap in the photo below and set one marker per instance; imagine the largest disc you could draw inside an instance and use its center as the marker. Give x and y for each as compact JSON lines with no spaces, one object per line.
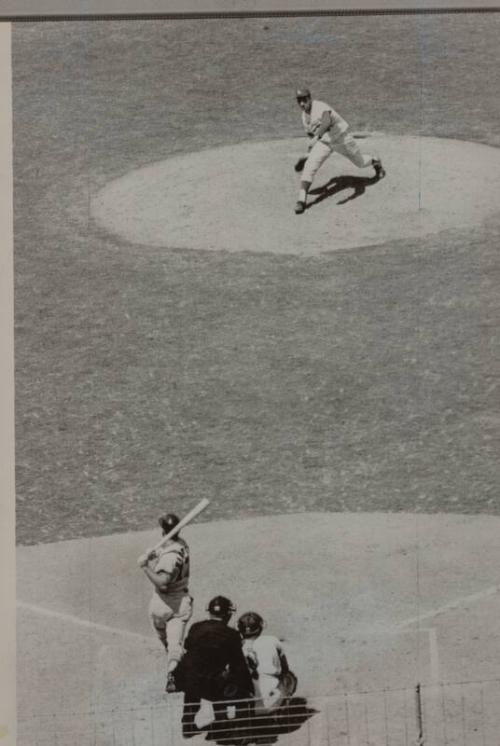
{"x":303,"y":93}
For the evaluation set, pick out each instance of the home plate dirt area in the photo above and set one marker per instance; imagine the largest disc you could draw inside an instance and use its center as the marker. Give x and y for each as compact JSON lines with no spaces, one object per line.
{"x":367,"y":603}
{"x":241,"y":197}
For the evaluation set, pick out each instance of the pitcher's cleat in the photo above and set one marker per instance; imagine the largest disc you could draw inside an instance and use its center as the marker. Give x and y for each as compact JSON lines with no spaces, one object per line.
{"x":300,"y":207}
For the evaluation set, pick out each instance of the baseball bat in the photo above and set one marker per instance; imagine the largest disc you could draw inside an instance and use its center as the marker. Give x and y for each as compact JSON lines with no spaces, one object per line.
{"x":183,"y":522}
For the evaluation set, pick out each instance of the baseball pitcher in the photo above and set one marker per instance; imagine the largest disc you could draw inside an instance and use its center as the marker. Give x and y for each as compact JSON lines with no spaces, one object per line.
{"x":327,"y":133}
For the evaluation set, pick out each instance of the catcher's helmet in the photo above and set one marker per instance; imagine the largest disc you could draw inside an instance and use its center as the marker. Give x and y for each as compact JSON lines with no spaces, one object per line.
{"x":250,"y":624}
{"x":221,"y":606}
{"x":168,"y":522}
{"x":302,"y":93}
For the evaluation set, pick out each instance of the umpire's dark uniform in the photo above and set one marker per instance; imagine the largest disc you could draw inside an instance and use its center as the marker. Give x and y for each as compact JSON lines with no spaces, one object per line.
{"x":213,"y":667}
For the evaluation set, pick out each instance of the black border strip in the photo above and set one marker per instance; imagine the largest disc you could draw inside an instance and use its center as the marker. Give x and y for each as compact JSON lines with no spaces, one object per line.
{"x":245,"y":14}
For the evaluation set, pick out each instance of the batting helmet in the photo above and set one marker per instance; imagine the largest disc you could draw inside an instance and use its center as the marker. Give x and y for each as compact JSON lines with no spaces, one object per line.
{"x":221,"y":606}
{"x":168,"y":522}
{"x":250,"y":624}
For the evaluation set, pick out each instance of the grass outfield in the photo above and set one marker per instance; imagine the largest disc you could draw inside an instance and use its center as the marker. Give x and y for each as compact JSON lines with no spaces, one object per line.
{"x":145,"y":378}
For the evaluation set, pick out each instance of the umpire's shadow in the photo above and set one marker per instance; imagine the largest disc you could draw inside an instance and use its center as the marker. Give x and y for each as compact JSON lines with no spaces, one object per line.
{"x":264,"y":729}
{"x":340,"y":183}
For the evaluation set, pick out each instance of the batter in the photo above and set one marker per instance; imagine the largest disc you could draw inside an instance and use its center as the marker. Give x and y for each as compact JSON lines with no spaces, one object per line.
{"x":171,"y":606}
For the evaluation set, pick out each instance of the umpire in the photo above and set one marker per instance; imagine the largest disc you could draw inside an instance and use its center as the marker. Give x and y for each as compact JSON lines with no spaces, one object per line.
{"x":214,"y":668}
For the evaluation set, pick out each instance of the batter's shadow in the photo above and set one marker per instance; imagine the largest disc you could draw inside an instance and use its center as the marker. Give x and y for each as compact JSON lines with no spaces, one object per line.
{"x":266,"y":730}
{"x":338,"y":184}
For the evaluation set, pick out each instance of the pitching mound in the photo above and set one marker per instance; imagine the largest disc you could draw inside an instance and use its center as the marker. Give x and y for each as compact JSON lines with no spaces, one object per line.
{"x":241,"y":198}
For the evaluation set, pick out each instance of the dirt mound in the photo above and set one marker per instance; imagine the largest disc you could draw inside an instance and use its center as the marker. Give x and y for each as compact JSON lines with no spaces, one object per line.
{"x":241,"y":197}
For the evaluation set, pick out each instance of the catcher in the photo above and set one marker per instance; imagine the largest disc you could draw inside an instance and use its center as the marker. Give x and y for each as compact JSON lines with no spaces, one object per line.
{"x":327,"y":133}
{"x":273,"y":681}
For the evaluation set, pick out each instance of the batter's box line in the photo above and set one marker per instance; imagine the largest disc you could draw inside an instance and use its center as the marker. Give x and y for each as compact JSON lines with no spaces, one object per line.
{"x":98,"y":626}
{"x":85,"y":623}
{"x":458,"y":603}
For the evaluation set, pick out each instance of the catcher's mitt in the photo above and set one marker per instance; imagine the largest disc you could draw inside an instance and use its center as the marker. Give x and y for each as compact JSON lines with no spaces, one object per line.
{"x":289,"y":683}
{"x":299,"y":166}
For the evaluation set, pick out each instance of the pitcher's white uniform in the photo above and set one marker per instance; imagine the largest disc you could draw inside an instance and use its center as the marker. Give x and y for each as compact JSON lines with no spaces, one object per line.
{"x":170,"y":611}
{"x":337,"y":139}
{"x":264,"y":654}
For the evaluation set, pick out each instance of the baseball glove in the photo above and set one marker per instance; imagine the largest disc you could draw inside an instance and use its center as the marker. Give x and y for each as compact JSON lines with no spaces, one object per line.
{"x":289,"y":683}
{"x":299,"y":166}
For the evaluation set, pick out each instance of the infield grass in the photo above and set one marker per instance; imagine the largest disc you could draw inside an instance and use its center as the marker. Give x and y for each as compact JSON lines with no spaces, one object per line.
{"x":147,"y":379}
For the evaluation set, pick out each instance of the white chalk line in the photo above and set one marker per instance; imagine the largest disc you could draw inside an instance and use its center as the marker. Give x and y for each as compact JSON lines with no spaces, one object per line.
{"x":96,"y":626}
{"x":450,"y":606}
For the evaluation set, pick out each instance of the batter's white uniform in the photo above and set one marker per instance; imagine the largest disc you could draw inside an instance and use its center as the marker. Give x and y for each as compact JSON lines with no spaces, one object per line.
{"x":263,"y":654}
{"x":170,"y":612}
{"x":337,"y":139}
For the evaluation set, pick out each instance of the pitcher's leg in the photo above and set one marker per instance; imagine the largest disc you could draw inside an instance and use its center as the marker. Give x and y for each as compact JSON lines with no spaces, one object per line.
{"x":317,"y":156}
{"x":349,"y":148}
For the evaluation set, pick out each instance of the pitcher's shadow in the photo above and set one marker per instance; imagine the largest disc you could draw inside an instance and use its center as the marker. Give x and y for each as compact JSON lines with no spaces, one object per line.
{"x":338,"y":184}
